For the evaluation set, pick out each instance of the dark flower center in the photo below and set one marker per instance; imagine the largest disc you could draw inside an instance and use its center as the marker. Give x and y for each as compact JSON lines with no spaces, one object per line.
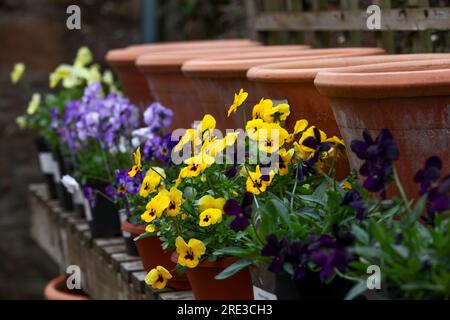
{"x":189,"y":255}
{"x":160,"y":279}
{"x":172,"y":205}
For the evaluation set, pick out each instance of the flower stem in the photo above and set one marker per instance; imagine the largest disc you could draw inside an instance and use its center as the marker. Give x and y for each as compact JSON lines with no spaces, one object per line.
{"x":295,"y":187}
{"x":401,"y":190}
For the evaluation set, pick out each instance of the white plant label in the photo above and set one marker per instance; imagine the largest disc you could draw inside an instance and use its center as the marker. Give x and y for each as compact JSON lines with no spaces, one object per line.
{"x":46,"y":162}
{"x":56,"y":172}
{"x":78,"y":197}
{"x":87,"y":210}
{"x":260,"y":294}
{"x":123,"y":218}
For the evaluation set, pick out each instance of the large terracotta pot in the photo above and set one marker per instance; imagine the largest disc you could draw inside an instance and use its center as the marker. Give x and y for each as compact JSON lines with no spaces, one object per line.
{"x":133,"y":82}
{"x":217,"y":79}
{"x":175,"y":91}
{"x":411,"y":99}
{"x":152,"y":255}
{"x":57,"y":290}
{"x":294,"y":81}
{"x":129,"y":232}
{"x":205,"y":287}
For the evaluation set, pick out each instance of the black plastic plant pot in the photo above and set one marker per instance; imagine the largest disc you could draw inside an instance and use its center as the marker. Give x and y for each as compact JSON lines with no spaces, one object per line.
{"x":311,"y":288}
{"x":64,"y":197}
{"x":46,"y":164}
{"x":130,"y":246}
{"x":103,"y":218}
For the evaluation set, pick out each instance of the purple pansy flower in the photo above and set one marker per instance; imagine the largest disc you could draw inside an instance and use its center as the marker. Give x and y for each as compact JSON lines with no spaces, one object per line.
{"x":429,"y":174}
{"x":157,"y":117}
{"x":90,"y":196}
{"x":378,"y":156}
{"x":354,"y":200}
{"x":242,"y":213}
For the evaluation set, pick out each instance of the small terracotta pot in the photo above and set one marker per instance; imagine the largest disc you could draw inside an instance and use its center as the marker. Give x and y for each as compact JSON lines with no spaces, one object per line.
{"x":411,"y":99}
{"x":129,"y":232}
{"x":57,"y":290}
{"x":152,"y":255}
{"x":133,"y":82}
{"x":217,"y":79}
{"x":205,"y":287}
{"x":175,"y":91}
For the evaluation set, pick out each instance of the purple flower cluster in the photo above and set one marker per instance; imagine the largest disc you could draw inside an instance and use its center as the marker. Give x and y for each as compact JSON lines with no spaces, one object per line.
{"x":110,"y":120}
{"x":126,"y":184}
{"x":438,"y":193}
{"x":325,"y":252}
{"x":242,"y":213}
{"x":378,"y":155}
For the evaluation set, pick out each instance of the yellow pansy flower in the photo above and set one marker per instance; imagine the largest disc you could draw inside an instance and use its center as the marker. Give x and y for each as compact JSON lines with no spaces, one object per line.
{"x":189,"y":254}
{"x":285,"y":158}
{"x":257,"y":183}
{"x":304,"y":151}
{"x":300,"y":126}
{"x":83,"y":57}
{"x":209,"y":217}
{"x":195,"y":167}
{"x":34,"y":104}
{"x":190,"y":136}
{"x":271,"y":137}
{"x":346,"y":186}
{"x":108,"y":77}
{"x":155,"y":208}
{"x":209,"y":202}
{"x":208,"y":123}
{"x":137,"y":163}
{"x":252,"y":127}
{"x":93,"y":74}
{"x":176,"y":200}
{"x":338,"y":148}
{"x":17,"y":72}
{"x":150,"y":228}
{"x":239,"y":99}
{"x":21,"y":122}
{"x":158,"y":277}
{"x":261,"y":108}
{"x":276,"y":114}
{"x":152,"y":181}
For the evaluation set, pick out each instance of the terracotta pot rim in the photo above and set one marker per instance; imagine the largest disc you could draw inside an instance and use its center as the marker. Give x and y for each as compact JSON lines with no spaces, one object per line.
{"x":52,"y":290}
{"x":387,"y":80}
{"x":128,"y":55}
{"x":176,"y":58}
{"x":134,"y":229}
{"x":239,"y":64}
{"x":306,"y":71}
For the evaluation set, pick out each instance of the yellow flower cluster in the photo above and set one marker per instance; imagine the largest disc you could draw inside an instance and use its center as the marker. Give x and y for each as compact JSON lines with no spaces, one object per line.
{"x":205,"y":146}
{"x":80,"y":72}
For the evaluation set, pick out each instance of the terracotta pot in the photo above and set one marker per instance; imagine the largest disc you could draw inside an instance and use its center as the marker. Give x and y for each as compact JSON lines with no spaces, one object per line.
{"x":410,"y":98}
{"x":174,"y":90}
{"x":133,"y":82}
{"x":217,"y":79}
{"x":205,"y":287}
{"x":152,"y":255}
{"x":129,"y":232}
{"x":57,"y":290}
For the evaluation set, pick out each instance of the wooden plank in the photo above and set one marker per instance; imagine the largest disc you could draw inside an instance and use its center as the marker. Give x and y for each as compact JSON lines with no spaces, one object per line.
{"x":138,"y":280}
{"x":177,"y":295}
{"x":354,"y":37}
{"x":337,"y":20}
{"x":422,"y":39}
{"x":118,"y":258}
{"x":127,"y":268}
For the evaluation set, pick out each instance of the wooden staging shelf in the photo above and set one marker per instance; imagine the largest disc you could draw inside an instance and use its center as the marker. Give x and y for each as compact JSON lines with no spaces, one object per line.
{"x":107,"y":271}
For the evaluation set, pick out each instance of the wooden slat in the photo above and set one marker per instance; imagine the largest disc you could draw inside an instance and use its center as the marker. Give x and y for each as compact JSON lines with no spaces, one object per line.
{"x":336,"y":20}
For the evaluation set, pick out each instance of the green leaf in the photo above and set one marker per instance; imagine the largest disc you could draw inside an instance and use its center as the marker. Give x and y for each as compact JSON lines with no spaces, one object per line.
{"x":235,"y":252}
{"x":357,"y":290}
{"x":233,"y":269}
{"x":360,"y":234}
{"x":416,"y":212}
{"x":144,"y":235}
{"x":277,"y":206}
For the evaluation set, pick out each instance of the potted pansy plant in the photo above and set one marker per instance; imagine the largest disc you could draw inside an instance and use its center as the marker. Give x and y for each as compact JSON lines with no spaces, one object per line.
{"x":133,"y":185}
{"x":214,"y":224}
{"x":407,"y":253}
{"x":98,"y":134}
{"x":66,"y":82}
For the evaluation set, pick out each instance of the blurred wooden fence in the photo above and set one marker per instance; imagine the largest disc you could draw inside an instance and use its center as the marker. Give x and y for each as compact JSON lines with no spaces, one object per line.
{"x":406,"y":26}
